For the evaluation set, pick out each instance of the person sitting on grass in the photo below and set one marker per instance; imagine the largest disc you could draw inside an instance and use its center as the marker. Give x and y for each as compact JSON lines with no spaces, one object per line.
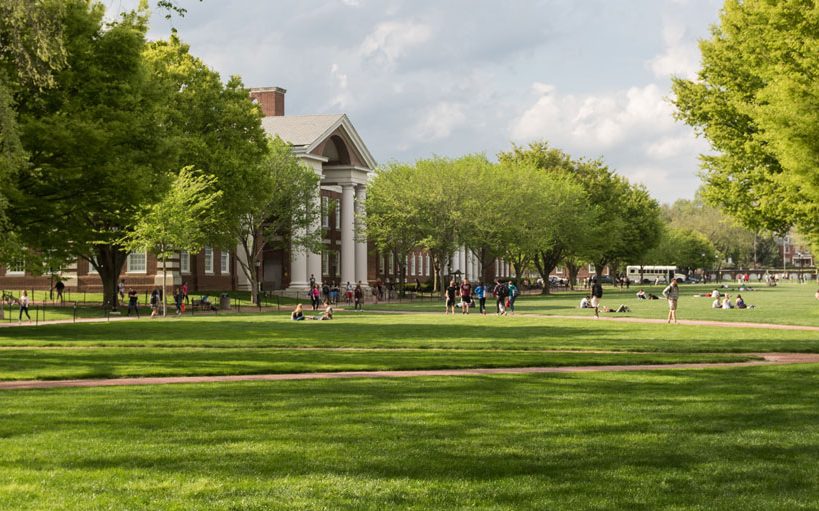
{"x":726,"y":302}
{"x":740,"y":303}
{"x":585,"y":303}
{"x":717,"y":303}
{"x":817,"y":294}
{"x":641,"y":295}
{"x":652,"y":296}
{"x":326,"y":315}
{"x":298,"y":313}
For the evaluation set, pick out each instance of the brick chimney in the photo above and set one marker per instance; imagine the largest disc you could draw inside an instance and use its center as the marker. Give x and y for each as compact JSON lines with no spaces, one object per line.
{"x":269,"y":99}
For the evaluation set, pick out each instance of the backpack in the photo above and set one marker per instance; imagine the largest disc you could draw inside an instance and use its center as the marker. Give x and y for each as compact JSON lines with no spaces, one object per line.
{"x":514,"y":291}
{"x":502,"y":290}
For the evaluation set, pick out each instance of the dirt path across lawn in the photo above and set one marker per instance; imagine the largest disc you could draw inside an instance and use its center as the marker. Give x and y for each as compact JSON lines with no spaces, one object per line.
{"x":769,"y":359}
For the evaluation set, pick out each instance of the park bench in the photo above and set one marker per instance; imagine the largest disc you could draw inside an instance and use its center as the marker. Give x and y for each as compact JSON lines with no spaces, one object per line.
{"x":202,"y":304}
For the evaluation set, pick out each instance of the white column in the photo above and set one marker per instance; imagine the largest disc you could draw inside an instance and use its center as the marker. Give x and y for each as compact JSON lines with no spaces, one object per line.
{"x":298,"y":269}
{"x":314,"y":258}
{"x":360,"y":240}
{"x":453,"y":263}
{"x":462,"y":261}
{"x":348,"y":255}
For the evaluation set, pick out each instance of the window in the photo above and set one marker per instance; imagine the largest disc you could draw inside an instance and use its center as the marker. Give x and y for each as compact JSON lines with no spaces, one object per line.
{"x":558,"y":269}
{"x":337,"y":206}
{"x":412,"y":265}
{"x":392,"y":263}
{"x":325,"y":262}
{"x":208,"y":260}
{"x":91,"y":269}
{"x":381,"y":263}
{"x":325,"y":214}
{"x":428,"y":265}
{"x":137,"y":262}
{"x":16,"y":267}
{"x":184,"y":262}
{"x":224,"y":266}
{"x":591,"y":269}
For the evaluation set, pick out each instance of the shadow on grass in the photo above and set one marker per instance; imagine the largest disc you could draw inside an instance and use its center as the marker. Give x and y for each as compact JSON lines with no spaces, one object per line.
{"x":682,"y":438}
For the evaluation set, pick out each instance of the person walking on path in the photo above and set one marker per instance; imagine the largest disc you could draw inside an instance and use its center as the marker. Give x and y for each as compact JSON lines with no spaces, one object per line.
{"x":60,"y":287}
{"x":185,"y":292}
{"x":513,"y":295}
{"x":358,"y":295}
{"x":500,"y":292}
{"x":24,"y":303}
{"x":597,"y":295}
{"x":177,"y":299}
{"x":121,"y":290}
{"x":466,"y":296}
{"x":480,"y":292}
{"x":348,"y":293}
{"x":449,"y":297}
{"x":154,"y":303}
{"x":672,"y":294}
{"x":132,"y":302}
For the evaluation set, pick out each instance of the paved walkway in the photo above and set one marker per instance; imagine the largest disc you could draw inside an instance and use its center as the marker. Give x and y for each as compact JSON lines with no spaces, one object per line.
{"x":768,"y":359}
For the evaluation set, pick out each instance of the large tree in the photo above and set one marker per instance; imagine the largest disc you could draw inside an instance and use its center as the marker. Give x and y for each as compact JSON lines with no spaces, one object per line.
{"x":277,"y":210}
{"x":165,"y":226}
{"x":105,"y":139}
{"x":756,"y":101}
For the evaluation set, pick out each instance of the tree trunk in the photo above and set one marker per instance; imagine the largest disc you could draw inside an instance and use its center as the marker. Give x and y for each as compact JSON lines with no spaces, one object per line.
{"x":164,"y":279}
{"x":109,"y":262}
{"x":573,"y":269}
{"x":545,"y":262}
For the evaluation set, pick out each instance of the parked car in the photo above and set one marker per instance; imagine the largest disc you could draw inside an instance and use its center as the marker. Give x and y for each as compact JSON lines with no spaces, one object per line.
{"x":605,"y":279}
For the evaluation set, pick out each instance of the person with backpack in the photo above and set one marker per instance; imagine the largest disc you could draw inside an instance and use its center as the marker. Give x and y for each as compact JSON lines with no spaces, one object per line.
{"x":672,"y":294}
{"x":501,"y":292}
{"x":513,"y":294}
{"x":154,"y":303}
{"x":597,"y":295}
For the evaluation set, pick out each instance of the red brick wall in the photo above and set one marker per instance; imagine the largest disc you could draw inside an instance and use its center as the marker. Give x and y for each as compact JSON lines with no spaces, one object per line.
{"x":270,"y":100}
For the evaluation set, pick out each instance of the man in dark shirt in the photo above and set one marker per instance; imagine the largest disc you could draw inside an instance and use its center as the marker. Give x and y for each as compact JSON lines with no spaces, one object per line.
{"x":449,"y":296}
{"x":501,"y":291}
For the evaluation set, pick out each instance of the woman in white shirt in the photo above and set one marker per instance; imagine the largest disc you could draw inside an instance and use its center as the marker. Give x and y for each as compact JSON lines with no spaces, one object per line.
{"x":24,"y":301}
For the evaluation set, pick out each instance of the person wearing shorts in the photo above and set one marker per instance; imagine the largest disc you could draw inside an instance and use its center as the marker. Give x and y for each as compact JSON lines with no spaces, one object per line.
{"x":672,"y":294}
{"x":466,"y":296}
{"x":596,"y":296}
{"x":449,"y":296}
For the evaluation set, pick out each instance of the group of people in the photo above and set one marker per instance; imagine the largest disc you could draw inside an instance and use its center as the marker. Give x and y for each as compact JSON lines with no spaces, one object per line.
{"x":723,"y":301}
{"x":463,"y":295}
{"x":298,"y":313}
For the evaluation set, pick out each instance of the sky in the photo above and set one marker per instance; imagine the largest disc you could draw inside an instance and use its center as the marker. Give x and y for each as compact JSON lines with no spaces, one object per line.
{"x":451,"y":77}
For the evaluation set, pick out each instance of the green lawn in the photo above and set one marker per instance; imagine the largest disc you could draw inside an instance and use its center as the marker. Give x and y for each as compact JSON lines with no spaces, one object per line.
{"x":717,"y":439}
{"x":785,"y":304}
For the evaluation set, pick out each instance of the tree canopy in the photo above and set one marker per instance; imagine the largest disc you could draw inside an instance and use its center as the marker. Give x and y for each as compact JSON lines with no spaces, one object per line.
{"x":755,"y":100}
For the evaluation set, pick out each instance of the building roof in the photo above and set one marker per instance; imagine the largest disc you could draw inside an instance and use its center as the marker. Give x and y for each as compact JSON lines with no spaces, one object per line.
{"x":306,"y":132}
{"x":300,"y":130}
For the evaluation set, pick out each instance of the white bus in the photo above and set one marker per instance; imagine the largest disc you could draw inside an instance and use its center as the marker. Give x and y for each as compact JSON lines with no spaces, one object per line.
{"x":651,"y":274}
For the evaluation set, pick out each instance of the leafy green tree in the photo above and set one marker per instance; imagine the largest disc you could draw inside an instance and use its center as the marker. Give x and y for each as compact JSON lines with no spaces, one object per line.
{"x":688,"y":250}
{"x":277,"y":211}
{"x":755,"y":101}
{"x":393,"y":213}
{"x":165,"y":227}
{"x":97,"y":150}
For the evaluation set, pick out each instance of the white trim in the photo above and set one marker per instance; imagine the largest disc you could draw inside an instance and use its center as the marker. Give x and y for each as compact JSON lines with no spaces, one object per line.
{"x":224,"y":262}
{"x":129,"y":267}
{"x":208,"y":258}
{"x":184,"y":269}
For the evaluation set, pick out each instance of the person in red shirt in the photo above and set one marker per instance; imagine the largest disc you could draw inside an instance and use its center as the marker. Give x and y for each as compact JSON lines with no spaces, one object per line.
{"x":466,"y":296}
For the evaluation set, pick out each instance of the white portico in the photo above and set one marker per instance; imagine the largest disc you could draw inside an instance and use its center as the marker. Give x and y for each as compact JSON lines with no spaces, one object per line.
{"x":330,"y":145}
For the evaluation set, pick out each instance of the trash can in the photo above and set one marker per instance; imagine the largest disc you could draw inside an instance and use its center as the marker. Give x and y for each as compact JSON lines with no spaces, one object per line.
{"x":224,"y":301}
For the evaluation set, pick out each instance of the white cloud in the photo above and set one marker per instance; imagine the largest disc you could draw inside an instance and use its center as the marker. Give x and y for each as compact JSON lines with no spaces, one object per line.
{"x":681,"y":56}
{"x":343,"y":97}
{"x":599,"y":121}
{"x":351,"y":3}
{"x":393,"y":39}
{"x":439,"y":121}
{"x":673,"y":146}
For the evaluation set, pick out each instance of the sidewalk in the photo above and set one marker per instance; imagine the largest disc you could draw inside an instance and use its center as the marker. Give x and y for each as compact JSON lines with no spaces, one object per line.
{"x":769,"y":359}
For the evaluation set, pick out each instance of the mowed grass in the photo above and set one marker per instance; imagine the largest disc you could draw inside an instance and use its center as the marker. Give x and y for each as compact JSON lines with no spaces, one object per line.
{"x":131,"y":362}
{"x":792,"y":304}
{"x":724,"y":439}
{"x":271,"y":343}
